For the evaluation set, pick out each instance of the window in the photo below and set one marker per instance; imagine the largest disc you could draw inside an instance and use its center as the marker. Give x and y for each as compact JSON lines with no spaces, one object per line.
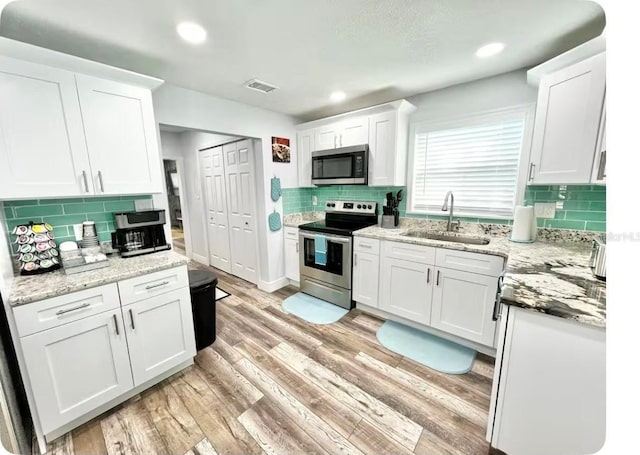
{"x":477,"y":158}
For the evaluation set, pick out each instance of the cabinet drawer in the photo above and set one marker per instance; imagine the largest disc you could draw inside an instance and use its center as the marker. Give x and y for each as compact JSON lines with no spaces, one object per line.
{"x":366,"y":245}
{"x":152,"y":284}
{"x":46,"y":314}
{"x":410,"y":252}
{"x":484,"y":264}
{"x":290,"y":233}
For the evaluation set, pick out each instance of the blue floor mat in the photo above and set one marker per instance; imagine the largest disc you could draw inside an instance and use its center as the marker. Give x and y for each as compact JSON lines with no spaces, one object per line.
{"x":312,"y":309}
{"x":427,"y":349}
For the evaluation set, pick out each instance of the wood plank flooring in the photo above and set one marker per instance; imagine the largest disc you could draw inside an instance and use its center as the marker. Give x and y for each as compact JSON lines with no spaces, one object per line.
{"x":275,"y":384}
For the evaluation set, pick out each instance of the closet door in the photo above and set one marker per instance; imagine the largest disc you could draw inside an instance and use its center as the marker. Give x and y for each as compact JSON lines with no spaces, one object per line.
{"x":215,"y":197}
{"x":241,"y":204}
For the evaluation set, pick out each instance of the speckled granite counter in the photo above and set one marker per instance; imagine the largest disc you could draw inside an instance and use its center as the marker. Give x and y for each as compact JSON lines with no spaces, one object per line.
{"x":27,"y":289}
{"x":550,"y":276}
{"x":296,"y":219}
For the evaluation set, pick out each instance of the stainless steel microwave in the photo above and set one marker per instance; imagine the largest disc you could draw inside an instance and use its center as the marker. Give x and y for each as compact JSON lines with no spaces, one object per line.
{"x":340,"y":166}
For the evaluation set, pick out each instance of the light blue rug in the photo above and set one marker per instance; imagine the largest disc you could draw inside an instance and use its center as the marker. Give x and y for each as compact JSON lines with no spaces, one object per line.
{"x":313,"y":310}
{"x":427,"y":349}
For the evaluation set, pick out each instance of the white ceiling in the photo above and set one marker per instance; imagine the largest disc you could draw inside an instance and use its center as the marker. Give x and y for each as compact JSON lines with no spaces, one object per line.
{"x":374,"y":50}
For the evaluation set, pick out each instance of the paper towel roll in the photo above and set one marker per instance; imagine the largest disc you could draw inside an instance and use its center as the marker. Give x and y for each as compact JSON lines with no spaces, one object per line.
{"x":523,"y":229}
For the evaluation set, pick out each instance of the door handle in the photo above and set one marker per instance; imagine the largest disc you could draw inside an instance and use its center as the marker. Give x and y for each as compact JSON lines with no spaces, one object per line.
{"x":601,"y":166}
{"x":335,"y":138}
{"x":153,"y":286}
{"x":341,"y":140}
{"x":497,"y":304}
{"x":531,"y":168}
{"x":86,"y":182}
{"x":101,"y":182}
{"x":133,"y":324}
{"x":438,"y":278}
{"x":428,"y":275}
{"x":297,"y":247}
{"x":355,"y":257}
{"x":79,"y":307}
{"x":115,"y":321}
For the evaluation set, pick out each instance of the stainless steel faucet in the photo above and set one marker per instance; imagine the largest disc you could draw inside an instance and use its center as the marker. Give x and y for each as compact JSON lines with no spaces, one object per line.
{"x":446,"y":207}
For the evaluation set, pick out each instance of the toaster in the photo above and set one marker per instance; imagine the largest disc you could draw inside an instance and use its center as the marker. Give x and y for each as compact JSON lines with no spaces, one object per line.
{"x":598,"y":260}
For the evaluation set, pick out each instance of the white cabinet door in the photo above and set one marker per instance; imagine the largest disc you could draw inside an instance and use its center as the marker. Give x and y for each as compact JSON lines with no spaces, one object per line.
{"x":326,"y":137}
{"x":405,"y":289}
{"x":382,"y":149}
{"x":215,"y":197}
{"x":366,"y":267}
{"x":566,"y":125}
{"x":353,"y":132}
{"x":305,"y":147}
{"x":160,"y":334}
{"x":76,"y":367}
{"x":292,"y":259}
{"x":42,"y":144}
{"x":463,"y":305}
{"x":238,"y":158}
{"x":599,"y":174}
{"x":121,"y":136}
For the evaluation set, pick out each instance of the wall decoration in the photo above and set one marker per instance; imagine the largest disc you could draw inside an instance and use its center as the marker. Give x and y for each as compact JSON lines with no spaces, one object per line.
{"x":280,"y":150}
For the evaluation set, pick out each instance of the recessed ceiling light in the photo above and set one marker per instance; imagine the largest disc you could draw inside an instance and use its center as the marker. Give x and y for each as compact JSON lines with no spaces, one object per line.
{"x":336,"y":97}
{"x":191,"y":32}
{"x":489,"y":50}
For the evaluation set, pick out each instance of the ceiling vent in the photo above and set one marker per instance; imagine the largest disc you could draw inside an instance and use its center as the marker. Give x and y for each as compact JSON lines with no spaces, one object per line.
{"x":260,"y":86}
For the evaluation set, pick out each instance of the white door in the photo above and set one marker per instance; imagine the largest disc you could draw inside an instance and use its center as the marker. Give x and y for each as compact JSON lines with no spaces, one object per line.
{"x":160,"y":334}
{"x":463,"y":305}
{"x":354,"y":132}
{"x":41,"y":137}
{"x":566,"y":124}
{"x":382,"y":149}
{"x":238,"y":158}
{"x":366,"y":267}
{"x":76,"y":367}
{"x":406,"y":288}
{"x":121,"y":136}
{"x":326,"y":137}
{"x":305,"y":147}
{"x":292,"y":259}
{"x":215,"y":198}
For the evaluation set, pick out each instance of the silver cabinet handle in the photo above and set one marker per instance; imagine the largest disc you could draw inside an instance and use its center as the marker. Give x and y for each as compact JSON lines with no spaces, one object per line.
{"x":133,"y":324}
{"x":531,"y":168}
{"x":428,"y":275}
{"x":438,"y":278}
{"x":341,"y":140}
{"x":115,"y":321}
{"x":297,"y":247}
{"x":153,"y":286}
{"x":365,"y":245}
{"x":601,"y":166}
{"x":101,"y":182}
{"x":355,"y":257}
{"x":79,"y":307}
{"x":86,"y":182}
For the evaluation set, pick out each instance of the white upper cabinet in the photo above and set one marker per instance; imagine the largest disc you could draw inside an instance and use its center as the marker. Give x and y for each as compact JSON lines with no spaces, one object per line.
{"x":353,"y":132}
{"x":388,"y":134}
{"x":306,"y":142}
{"x":42,"y":144}
{"x":326,"y":137}
{"x":67,"y":135}
{"x":599,"y":173}
{"x":567,"y":123}
{"x":121,"y":136}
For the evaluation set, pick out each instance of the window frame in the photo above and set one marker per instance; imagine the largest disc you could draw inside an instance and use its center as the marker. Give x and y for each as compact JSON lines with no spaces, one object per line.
{"x":487,"y":116}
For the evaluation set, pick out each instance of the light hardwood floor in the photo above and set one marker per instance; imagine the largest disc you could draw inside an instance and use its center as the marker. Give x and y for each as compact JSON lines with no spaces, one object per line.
{"x":273,"y":383}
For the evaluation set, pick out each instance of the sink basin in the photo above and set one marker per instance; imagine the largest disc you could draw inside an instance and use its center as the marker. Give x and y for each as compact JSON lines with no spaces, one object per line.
{"x":469,"y":240}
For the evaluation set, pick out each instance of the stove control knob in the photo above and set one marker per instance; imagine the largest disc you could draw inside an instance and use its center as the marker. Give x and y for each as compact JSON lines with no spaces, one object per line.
{"x":369,"y":206}
{"x":359,"y":206}
{"x":328,"y":204}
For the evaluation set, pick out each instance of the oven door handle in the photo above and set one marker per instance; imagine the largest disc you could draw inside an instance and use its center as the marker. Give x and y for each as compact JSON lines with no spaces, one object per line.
{"x":329,"y":237}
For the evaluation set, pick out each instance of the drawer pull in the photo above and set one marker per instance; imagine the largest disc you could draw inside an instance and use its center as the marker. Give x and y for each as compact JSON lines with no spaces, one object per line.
{"x":428,"y":275}
{"x":133,"y":324}
{"x":438,"y":278}
{"x":365,"y":245}
{"x":115,"y":321}
{"x":79,"y":307}
{"x":153,"y":286}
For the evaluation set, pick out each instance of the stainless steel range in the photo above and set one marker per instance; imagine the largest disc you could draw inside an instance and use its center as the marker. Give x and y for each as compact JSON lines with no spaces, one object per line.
{"x":330,"y":278}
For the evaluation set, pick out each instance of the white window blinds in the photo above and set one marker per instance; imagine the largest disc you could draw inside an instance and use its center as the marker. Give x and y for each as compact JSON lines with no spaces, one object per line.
{"x":479,"y":163}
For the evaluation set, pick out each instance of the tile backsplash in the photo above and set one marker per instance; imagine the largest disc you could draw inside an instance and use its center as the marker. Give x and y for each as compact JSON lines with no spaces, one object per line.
{"x":62,"y":214}
{"x":580,"y":207}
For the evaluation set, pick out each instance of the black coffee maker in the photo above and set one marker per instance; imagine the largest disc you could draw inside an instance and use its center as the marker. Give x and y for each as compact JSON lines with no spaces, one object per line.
{"x":139,"y":233}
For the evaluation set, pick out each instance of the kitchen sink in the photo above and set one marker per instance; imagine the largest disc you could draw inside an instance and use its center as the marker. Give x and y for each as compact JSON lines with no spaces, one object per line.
{"x":469,"y":240}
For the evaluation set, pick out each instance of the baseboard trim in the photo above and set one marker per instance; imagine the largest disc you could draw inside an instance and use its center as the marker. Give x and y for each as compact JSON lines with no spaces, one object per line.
{"x":200,"y":259}
{"x":271,"y":286}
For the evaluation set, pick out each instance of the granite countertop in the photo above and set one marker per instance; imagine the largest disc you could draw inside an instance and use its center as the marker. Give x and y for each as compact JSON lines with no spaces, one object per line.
{"x":296,"y":219}
{"x":27,"y":289}
{"x":551,"y":275}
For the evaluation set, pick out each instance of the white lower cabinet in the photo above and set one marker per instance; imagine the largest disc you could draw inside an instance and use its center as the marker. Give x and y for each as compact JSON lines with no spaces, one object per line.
{"x":76,"y":367}
{"x":159,"y":333}
{"x":291,"y":254}
{"x":463,"y":305}
{"x":406,"y":289}
{"x":366,"y":267}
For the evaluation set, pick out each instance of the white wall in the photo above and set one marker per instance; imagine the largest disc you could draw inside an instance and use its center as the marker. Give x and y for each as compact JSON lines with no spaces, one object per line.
{"x":496,"y":92}
{"x":190,"y":109}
